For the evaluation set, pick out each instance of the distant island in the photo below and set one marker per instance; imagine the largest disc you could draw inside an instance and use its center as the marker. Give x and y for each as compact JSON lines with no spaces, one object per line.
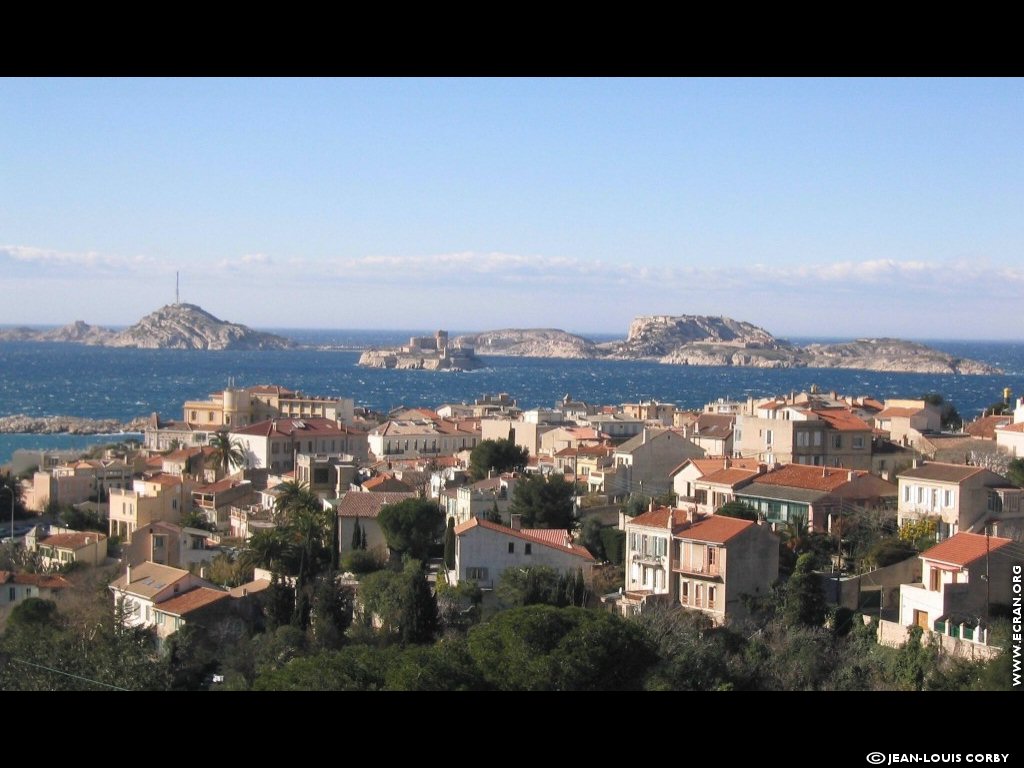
{"x":175,"y":326}
{"x":700,"y":340}
{"x":721,"y":341}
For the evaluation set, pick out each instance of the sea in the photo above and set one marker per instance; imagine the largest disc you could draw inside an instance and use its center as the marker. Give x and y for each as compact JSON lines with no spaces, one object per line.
{"x":55,"y":379}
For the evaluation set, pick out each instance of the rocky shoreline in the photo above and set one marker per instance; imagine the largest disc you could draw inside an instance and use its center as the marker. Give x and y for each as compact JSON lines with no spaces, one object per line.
{"x":21,"y":423}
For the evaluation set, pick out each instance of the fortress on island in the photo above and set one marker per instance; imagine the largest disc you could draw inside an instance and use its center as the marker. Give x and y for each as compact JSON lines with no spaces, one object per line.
{"x":429,"y":353}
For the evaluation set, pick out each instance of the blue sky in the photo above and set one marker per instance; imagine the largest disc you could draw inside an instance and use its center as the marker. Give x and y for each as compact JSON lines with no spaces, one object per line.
{"x":809,"y":207}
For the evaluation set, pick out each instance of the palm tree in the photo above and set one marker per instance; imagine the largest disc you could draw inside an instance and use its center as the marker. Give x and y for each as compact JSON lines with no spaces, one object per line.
{"x":227,"y":452}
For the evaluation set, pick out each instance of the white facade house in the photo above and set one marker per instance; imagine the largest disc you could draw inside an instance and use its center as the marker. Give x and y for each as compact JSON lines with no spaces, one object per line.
{"x":958,"y":496}
{"x":485,"y":550}
{"x":144,"y":586}
{"x":960,"y":578}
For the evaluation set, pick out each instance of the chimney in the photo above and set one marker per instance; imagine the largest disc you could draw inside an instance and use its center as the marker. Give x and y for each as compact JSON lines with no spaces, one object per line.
{"x":824,"y":471}
{"x":727,"y":463}
{"x":915,"y":463}
{"x":650,"y":507}
{"x":516,"y":522}
{"x":128,"y":574}
{"x":849,"y":476}
{"x":689,"y":514}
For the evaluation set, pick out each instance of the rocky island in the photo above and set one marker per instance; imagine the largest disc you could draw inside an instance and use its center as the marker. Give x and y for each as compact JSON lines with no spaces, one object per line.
{"x":721,"y":341}
{"x":175,"y":326}
{"x":428,"y":353}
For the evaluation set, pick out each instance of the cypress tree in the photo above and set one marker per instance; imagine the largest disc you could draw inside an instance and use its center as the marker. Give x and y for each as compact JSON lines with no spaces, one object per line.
{"x":356,"y":535}
{"x":449,"y":544}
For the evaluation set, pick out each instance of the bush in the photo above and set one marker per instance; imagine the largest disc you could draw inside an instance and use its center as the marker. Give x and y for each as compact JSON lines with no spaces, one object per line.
{"x":889,"y":551}
{"x":361,"y":561}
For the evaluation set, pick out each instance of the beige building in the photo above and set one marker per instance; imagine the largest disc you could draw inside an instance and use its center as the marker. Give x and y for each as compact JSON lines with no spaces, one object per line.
{"x":66,"y":546}
{"x":15,"y":587}
{"x":905,"y":420}
{"x":242,"y":406}
{"x":413,"y":438}
{"x":779,"y":432}
{"x":77,"y":481}
{"x":958,"y":496}
{"x":643,"y":464}
{"x":196,"y":605}
{"x":485,"y":496}
{"x":713,"y":433}
{"x":214,"y":500}
{"x":364,"y":507}
{"x":273,"y":444}
{"x":685,"y":476}
{"x":150,"y":499}
{"x":708,"y":565}
{"x":525,"y":434}
{"x":172,"y":545}
{"x":1010,"y":438}
{"x":652,"y":412}
{"x":485,"y":550}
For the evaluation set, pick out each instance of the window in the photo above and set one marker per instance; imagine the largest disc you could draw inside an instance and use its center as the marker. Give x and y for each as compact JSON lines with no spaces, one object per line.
{"x":947,"y":499}
{"x":712,"y":592}
{"x":10,"y":594}
{"x":711,"y":555}
{"x":858,"y":442}
{"x":817,"y":439}
{"x":837,"y":441}
{"x":906,"y":493}
{"x":476,"y":574}
{"x":802,"y":439}
{"x":767,"y":437}
{"x":920,"y":494}
{"x":194,"y":415}
{"x":528,"y":548}
{"x":684,"y":592}
{"x":511,"y":547}
{"x":275,"y":448}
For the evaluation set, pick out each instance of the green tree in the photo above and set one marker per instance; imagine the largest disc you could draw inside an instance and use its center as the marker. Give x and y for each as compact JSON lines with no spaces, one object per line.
{"x":227,"y":453}
{"x":805,"y":601}
{"x":401,"y":603}
{"x":357,"y":535}
{"x":196,"y":518}
{"x":540,"y":647}
{"x":411,"y":526}
{"x":544,"y":502}
{"x":949,"y":416}
{"x":1015,"y":472}
{"x":590,"y":537}
{"x":449,"y":544}
{"x":500,"y":455}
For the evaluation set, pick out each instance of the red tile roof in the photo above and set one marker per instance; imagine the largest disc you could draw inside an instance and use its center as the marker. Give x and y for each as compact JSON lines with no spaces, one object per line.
{"x":221,"y":485}
{"x":715,"y":529}
{"x":962,"y":549}
{"x":658,"y":518}
{"x":41,"y":580}
{"x":811,"y":478}
{"x":387,"y":483}
{"x":290,"y":426}
{"x":356,"y":504}
{"x":165,"y":480}
{"x":72,"y":541}
{"x":1018,"y":427}
{"x":985,"y":426}
{"x":546,"y":538}
{"x":193,"y":600}
{"x":841,"y":419}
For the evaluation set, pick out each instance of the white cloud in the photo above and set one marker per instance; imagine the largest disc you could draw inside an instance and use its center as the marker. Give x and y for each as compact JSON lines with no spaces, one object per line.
{"x":246,"y":262}
{"x":45,"y":257}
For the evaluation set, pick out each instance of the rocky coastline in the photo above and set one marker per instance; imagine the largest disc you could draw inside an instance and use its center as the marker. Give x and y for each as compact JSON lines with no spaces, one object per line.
{"x":21,"y":423}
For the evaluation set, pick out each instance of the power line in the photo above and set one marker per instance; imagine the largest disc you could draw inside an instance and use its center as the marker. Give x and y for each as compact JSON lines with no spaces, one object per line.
{"x":68,"y":674}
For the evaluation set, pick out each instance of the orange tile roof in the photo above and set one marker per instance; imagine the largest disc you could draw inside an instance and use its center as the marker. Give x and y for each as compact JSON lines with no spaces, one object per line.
{"x":41,"y":580}
{"x":193,"y":600}
{"x":162,"y":479}
{"x":809,"y":477}
{"x":221,"y":485}
{"x":356,"y":504}
{"x":715,"y":529}
{"x":289,"y":426}
{"x":658,"y":518}
{"x":386,"y":482}
{"x":1018,"y":427}
{"x":73,"y":541}
{"x":544,"y":537}
{"x":841,"y":419}
{"x":985,"y":426}
{"x":962,"y":549}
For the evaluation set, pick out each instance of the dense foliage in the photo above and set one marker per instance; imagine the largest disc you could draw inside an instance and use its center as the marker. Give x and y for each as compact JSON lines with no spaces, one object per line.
{"x":544,"y":501}
{"x":498,"y":455}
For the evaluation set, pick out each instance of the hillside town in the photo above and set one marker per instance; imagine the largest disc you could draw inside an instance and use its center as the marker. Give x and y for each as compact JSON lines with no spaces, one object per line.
{"x":265,"y":538}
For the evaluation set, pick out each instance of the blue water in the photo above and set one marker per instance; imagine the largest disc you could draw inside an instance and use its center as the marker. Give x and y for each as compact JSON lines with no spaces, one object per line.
{"x":42,"y":379}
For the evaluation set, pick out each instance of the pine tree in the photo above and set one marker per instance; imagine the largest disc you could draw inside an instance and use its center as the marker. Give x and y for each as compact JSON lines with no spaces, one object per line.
{"x":449,"y":544}
{"x":418,"y":622}
{"x":357,"y":535}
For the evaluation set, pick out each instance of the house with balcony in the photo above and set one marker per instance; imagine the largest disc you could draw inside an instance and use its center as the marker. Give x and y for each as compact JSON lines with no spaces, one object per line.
{"x":815,"y":495}
{"x":487,"y":495}
{"x":214,"y":500}
{"x":715,"y":489}
{"x":422,"y":437}
{"x":485,"y":550}
{"x":648,"y":572}
{"x":718,"y":561}
{"x":961,"y":578}
{"x":274,"y":443}
{"x":173,"y":545}
{"x":959,"y":497}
